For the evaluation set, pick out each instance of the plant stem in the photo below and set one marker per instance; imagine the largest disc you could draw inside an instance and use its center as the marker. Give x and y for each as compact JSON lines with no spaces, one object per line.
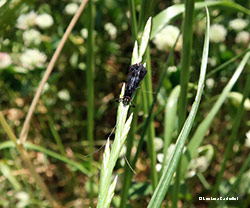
{"x":184,"y":79}
{"x":131,"y":5}
{"x":26,"y":125}
{"x":90,"y":89}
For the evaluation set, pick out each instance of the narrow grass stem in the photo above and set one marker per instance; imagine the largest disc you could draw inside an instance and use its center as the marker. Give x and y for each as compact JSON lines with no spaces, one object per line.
{"x":90,"y":90}
{"x":131,"y":5}
{"x":226,"y":63}
{"x":184,"y":79}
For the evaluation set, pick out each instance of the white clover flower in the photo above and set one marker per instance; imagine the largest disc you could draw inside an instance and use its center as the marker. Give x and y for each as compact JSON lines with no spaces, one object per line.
{"x":212,"y":61}
{"x":71,"y":8}
{"x":160,"y":157}
{"x":111,"y":29}
{"x":32,"y":36}
{"x":84,"y":33}
{"x":26,"y":21}
{"x":44,"y":21}
{"x":165,"y":39}
{"x":158,"y":142}
{"x":64,"y":95}
{"x":242,"y":37}
{"x":238,"y":24}
{"x":2,"y":2}
{"x":5,"y":60}
{"x":14,"y":114}
{"x":32,"y":58}
{"x":202,"y":163}
{"x":210,"y":83}
{"x":217,"y":33}
{"x":23,"y":199}
{"x":158,"y":167}
{"x":172,"y":69}
{"x":247,"y":141}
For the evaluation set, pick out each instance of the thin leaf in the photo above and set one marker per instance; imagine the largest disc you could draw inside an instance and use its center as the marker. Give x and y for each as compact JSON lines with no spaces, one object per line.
{"x":203,"y":127}
{"x":169,"y":170}
{"x":164,"y":17}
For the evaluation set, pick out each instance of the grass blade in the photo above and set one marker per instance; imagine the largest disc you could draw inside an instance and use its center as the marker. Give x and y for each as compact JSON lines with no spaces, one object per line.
{"x":203,"y":127}
{"x":232,"y":138}
{"x":164,"y":17}
{"x":169,"y":170}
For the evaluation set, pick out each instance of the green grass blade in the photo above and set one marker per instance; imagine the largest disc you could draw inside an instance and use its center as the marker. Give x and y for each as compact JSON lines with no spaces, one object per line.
{"x":90,"y":87}
{"x":164,"y":17}
{"x":169,"y":170}
{"x":56,"y":135}
{"x":203,"y":127}
{"x":185,"y":61}
{"x":131,"y":5}
{"x":170,"y":120}
{"x":232,"y":138}
{"x":184,"y":80}
{"x":226,"y":63}
{"x":30,"y":146}
{"x":6,"y":171}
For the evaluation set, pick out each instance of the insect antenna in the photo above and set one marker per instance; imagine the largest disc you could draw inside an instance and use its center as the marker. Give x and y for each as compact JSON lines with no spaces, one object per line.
{"x":99,"y":149}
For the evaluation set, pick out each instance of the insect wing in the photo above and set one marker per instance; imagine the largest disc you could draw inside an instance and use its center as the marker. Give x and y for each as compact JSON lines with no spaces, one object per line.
{"x":132,"y":80}
{"x":142,"y":73}
{"x":135,"y":75}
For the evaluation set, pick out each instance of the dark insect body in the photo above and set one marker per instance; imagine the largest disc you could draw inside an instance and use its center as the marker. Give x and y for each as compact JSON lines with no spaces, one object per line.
{"x":135,"y":75}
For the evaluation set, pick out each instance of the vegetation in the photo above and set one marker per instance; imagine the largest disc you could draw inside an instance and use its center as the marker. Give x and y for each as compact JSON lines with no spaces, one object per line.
{"x":66,"y":142}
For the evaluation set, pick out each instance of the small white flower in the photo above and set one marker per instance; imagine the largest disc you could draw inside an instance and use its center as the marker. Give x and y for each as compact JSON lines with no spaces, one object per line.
{"x":165,"y":39}
{"x":2,"y":2}
{"x":158,"y":167}
{"x":158,"y":142}
{"x":14,"y":114}
{"x":71,"y":8}
{"x":238,"y":24}
{"x":247,"y":141}
{"x":111,"y":29}
{"x":84,"y":33}
{"x":44,"y":21}
{"x":172,"y":69}
{"x":212,"y":61}
{"x":32,"y":58}
{"x":64,"y":95}
{"x":23,"y":199}
{"x":202,"y":163}
{"x":5,"y":60}
{"x":26,"y":21}
{"x":242,"y":37}
{"x":217,"y":33}
{"x":32,"y":36}
{"x":210,"y":83}
{"x":160,"y":157}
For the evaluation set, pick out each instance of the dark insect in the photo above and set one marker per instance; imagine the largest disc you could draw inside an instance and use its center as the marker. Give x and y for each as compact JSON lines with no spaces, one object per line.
{"x":135,"y":75}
